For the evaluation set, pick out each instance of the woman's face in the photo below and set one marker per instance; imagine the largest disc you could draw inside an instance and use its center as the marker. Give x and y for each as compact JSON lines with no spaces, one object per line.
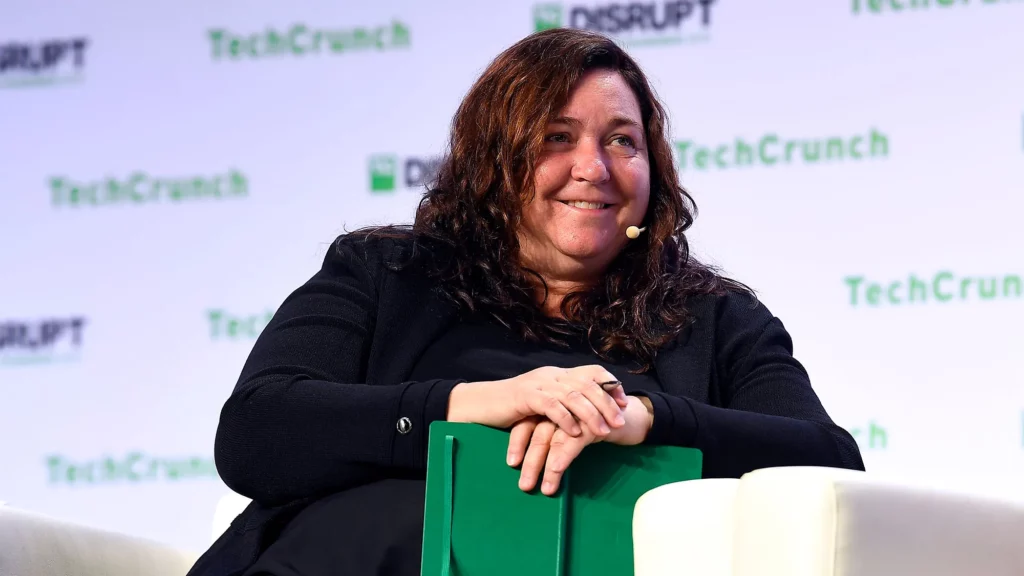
{"x":592,"y":181}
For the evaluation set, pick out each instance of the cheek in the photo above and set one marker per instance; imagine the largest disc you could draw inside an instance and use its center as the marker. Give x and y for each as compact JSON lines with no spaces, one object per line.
{"x":643,"y":199}
{"x":546,"y":177}
{"x":535,"y":214}
{"x":636,"y":182}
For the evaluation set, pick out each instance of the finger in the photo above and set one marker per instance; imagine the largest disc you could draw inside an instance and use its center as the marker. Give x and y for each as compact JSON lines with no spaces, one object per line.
{"x":618,"y":393}
{"x":549,"y":406}
{"x":599,"y":374}
{"x":563,"y":450}
{"x":611,"y":385}
{"x":519,"y":439}
{"x":536,"y":455}
{"x":607,"y":405}
{"x":582,"y":405}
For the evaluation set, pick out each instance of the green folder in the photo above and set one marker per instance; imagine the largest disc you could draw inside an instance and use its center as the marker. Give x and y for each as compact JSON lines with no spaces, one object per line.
{"x":477,"y":522}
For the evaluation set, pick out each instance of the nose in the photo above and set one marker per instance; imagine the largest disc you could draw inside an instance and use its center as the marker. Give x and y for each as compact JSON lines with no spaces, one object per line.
{"x":589,"y":163}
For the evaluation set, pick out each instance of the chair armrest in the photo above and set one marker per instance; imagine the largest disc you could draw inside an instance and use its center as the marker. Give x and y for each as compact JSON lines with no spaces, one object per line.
{"x":36,"y":545}
{"x":805,"y":521}
{"x":685,"y":528}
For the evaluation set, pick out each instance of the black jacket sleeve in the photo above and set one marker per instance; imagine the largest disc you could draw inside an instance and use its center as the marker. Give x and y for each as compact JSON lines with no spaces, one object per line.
{"x":769,"y":414}
{"x":301,"y":421}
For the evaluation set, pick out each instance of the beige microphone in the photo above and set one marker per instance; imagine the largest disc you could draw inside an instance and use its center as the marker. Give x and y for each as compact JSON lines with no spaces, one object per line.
{"x":633,"y":232}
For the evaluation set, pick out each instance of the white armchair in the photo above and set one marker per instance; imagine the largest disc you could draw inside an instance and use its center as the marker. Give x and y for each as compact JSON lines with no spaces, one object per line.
{"x":825,"y":522}
{"x":37,"y":545}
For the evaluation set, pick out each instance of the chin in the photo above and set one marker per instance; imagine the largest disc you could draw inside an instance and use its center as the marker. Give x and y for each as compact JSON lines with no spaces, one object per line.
{"x":587,"y":248}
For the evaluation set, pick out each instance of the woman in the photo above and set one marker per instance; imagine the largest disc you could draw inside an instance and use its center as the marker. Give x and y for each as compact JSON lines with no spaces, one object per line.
{"x":512,"y":298}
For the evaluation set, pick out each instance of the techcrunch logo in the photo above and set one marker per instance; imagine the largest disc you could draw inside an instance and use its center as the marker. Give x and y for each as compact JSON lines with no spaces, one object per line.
{"x":634,"y":23}
{"x":941,"y":287}
{"x":142,"y":188}
{"x":882,"y":6}
{"x":772,"y":150}
{"x":45,"y":341}
{"x":416,"y":172}
{"x":42,"y":63}
{"x":303,"y":40}
{"x":227,"y":326}
{"x":134,"y":467}
{"x":870,"y":437}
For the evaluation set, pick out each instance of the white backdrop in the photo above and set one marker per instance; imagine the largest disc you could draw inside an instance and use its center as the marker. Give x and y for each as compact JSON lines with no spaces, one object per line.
{"x":172,"y":170}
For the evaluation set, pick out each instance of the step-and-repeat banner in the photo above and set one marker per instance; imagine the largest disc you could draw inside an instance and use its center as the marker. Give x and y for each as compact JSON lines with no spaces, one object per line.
{"x":172,"y":170}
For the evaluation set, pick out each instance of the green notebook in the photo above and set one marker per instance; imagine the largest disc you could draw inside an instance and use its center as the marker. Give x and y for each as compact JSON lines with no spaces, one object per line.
{"x":477,"y":522}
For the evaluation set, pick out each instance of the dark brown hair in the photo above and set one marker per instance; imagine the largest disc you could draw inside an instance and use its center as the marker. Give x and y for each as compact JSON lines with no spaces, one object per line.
{"x":475,"y":205}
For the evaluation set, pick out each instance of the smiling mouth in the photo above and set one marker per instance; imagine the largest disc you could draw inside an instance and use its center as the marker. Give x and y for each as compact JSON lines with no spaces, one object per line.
{"x":586,"y":205}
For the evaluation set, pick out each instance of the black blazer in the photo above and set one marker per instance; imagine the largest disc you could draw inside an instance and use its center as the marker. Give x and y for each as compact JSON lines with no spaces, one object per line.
{"x":316,"y":406}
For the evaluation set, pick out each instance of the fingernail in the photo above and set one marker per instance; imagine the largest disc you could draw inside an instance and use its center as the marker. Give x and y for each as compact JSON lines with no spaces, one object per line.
{"x":619,"y":419}
{"x":576,"y":430}
{"x":548,"y":487}
{"x":511,"y":459}
{"x":604,"y":428}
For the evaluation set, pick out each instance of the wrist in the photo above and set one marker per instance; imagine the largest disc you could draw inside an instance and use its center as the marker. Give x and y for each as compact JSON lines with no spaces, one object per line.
{"x":461,"y":401}
{"x":639,"y":414}
{"x":649,"y":406}
{"x":456,"y":401}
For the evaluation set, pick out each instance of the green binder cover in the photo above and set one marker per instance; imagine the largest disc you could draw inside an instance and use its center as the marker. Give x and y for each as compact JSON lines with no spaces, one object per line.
{"x":477,"y":522}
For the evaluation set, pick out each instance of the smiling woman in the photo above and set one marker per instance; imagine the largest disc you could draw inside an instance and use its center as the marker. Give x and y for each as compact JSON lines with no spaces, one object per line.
{"x":580,"y":127}
{"x":592,"y":180}
{"x":524,"y":298}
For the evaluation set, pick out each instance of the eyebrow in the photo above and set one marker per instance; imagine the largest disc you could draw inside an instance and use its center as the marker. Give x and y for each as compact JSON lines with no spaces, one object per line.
{"x":616,"y":122}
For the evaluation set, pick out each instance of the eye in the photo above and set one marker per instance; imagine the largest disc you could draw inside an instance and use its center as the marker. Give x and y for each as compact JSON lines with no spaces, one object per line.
{"x":625,"y":141}
{"x":560,"y":138}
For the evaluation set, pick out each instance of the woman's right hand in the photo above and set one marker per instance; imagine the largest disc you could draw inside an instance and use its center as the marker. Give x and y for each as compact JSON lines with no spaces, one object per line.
{"x":567,"y":397}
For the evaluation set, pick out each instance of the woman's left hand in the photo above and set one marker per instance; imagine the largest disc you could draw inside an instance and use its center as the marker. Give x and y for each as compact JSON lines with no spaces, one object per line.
{"x":538,"y":444}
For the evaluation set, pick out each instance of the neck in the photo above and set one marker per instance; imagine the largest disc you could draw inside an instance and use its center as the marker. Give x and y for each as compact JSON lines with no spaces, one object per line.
{"x":557,"y":284}
{"x":561,"y":275}
{"x":556,"y":293}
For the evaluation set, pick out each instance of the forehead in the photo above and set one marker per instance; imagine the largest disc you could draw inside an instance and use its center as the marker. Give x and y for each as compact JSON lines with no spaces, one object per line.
{"x":602,"y":93}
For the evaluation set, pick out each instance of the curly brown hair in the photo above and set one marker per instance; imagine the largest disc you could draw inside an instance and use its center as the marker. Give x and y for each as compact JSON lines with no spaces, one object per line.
{"x":474,"y":207}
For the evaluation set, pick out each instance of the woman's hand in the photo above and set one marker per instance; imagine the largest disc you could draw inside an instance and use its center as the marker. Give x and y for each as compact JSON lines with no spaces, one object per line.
{"x":550,"y":449}
{"x":639,"y":420}
{"x":568,"y":397}
{"x":539,"y":444}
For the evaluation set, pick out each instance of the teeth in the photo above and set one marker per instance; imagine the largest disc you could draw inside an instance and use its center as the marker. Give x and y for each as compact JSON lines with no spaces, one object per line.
{"x":587,"y":205}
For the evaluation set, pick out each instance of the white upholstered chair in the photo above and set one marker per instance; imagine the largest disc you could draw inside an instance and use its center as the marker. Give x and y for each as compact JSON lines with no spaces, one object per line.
{"x":825,"y":522}
{"x":37,"y":545}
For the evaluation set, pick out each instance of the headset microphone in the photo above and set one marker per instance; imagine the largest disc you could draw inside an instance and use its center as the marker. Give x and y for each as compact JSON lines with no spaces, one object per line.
{"x":633,"y":232}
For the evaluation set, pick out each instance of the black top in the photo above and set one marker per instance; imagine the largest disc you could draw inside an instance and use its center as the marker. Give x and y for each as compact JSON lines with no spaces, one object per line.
{"x":481,"y":349}
{"x":315,"y":408}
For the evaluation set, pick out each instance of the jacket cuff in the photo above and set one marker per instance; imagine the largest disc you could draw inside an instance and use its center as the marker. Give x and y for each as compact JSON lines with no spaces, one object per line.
{"x":420,"y":404}
{"x":674,"y":421}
